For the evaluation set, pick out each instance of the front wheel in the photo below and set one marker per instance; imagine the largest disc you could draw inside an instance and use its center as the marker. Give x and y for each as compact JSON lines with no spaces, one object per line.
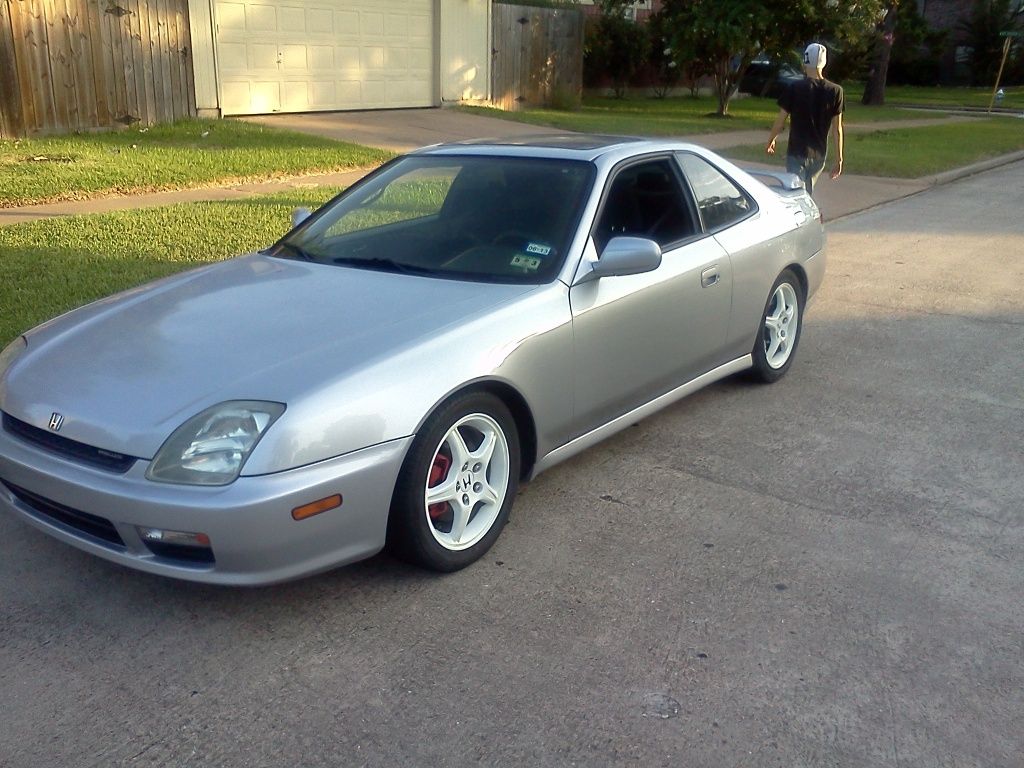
{"x":779,"y":333}
{"x":457,"y":484}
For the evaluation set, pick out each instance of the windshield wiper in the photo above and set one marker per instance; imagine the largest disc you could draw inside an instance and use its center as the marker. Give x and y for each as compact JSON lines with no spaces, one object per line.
{"x":297,"y":252}
{"x":382,"y":264}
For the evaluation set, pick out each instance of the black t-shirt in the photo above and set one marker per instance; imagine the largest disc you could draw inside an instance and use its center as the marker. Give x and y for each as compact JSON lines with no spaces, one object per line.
{"x":812,"y":104}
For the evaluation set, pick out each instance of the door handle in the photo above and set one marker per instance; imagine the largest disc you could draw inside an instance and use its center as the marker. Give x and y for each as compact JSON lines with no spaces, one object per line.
{"x":710,"y":276}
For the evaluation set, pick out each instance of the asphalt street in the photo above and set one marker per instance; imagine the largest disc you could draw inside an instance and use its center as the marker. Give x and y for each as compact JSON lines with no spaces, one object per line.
{"x":823,"y":572}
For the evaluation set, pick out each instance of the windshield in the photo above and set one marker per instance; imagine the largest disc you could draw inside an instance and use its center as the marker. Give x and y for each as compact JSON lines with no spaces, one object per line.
{"x":478,"y":218}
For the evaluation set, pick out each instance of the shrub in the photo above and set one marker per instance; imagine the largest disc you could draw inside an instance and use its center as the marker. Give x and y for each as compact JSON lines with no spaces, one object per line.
{"x":615,"y":49}
{"x":664,"y":67}
{"x":916,"y":56}
{"x":984,"y":28}
{"x":563,"y":98}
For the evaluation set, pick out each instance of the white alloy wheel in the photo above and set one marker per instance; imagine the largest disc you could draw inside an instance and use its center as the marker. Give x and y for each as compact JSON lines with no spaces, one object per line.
{"x":780,"y":326}
{"x":467,"y":482}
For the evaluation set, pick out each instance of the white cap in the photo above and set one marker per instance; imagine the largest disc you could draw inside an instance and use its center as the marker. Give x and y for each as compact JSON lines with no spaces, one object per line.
{"x":815,"y":56}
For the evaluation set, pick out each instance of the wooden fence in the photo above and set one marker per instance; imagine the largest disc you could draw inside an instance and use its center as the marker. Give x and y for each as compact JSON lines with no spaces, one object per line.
{"x":537,"y":56}
{"x":76,"y":65}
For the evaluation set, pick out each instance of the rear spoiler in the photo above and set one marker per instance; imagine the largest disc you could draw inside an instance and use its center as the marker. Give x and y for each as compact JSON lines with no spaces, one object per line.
{"x":787,"y":181}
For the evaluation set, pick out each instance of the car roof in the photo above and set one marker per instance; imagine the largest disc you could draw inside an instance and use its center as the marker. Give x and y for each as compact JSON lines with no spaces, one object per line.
{"x":569,"y":146}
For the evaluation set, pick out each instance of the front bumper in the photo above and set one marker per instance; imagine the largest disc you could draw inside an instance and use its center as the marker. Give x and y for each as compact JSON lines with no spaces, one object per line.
{"x":253,"y":537}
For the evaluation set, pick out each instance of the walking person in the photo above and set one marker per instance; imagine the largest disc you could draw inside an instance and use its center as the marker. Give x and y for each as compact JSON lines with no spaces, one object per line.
{"x":815,"y":107}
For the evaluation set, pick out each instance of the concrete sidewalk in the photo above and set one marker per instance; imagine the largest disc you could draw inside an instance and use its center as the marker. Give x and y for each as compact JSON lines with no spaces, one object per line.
{"x":155,"y":199}
{"x":402,"y":130}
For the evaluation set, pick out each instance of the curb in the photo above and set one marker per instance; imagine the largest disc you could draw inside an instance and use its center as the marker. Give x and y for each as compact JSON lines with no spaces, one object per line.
{"x":969,"y":170}
{"x":961,"y":110}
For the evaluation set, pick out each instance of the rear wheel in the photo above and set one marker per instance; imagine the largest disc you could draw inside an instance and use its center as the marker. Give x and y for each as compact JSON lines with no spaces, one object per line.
{"x":457,"y":485}
{"x":779,"y":333}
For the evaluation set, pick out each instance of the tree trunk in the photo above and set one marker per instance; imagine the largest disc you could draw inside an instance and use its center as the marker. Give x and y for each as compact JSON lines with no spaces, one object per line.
{"x":722,"y":85}
{"x":874,"y":91}
{"x":727,"y":81}
{"x":723,"y":100}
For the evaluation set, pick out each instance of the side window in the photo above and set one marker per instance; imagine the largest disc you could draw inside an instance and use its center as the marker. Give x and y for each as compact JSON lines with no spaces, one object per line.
{"x":720,"y":202}
{"x":645,"y":200}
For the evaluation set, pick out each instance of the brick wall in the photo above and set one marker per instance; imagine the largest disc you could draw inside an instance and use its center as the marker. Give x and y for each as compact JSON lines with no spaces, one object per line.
{"x":945,"y":14}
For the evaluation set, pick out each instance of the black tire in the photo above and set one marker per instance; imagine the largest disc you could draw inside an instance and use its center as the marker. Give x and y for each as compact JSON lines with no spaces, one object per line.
{"x":416,"y":530}
{"x":769,"y":370}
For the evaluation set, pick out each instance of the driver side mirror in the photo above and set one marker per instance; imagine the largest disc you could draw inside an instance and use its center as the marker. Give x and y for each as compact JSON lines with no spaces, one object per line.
{"x":625,"y":256}
{"x":299,"y":215}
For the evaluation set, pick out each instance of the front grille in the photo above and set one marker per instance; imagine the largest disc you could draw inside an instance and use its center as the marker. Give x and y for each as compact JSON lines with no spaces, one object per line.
{"x":91,"y":525}
{"x":70,"y":449}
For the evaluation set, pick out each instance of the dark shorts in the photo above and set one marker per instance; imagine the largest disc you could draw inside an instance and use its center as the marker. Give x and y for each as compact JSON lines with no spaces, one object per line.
{"x":807,"y":168}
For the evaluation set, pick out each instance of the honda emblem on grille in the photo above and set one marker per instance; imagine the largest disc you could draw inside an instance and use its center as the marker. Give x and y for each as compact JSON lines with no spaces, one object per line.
{"x":56,"y":420}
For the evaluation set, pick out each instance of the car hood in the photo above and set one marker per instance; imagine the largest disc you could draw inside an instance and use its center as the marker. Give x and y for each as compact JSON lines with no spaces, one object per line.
{"x":126,"y":371}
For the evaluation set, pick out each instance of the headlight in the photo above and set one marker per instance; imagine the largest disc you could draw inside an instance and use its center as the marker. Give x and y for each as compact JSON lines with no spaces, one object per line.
{"x":211,"y":448}
{"x":11,"y":353}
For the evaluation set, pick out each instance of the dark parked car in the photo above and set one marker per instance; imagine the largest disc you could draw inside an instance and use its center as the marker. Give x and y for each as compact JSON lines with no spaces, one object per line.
{"x":768,"y":78}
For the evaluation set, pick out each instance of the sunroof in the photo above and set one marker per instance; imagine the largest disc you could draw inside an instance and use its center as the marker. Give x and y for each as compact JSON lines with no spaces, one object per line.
{"x":557,"y":141}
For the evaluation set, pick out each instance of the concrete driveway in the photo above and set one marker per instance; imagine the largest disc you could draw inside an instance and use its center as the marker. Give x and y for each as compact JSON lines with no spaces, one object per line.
{"x":400,"y":130}
{"x":823,"y":572}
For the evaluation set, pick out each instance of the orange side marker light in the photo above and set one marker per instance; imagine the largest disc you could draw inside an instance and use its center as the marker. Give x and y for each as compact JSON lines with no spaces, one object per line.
{"x":316,"y":507}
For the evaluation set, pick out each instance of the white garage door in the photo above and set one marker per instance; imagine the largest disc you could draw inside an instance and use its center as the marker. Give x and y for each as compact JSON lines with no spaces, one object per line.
{"x":306,"y":55}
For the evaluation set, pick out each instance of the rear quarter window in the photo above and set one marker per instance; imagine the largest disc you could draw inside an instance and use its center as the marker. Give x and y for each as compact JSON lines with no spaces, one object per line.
{"x":720,"y":202}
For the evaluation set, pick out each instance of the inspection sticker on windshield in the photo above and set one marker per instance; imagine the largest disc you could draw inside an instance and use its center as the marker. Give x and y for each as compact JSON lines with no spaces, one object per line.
{"x":526,"y":262}
{"x":540,"y":250}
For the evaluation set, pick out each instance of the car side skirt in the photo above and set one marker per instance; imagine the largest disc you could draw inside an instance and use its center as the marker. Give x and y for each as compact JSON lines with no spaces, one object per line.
{"x":583,"y":442}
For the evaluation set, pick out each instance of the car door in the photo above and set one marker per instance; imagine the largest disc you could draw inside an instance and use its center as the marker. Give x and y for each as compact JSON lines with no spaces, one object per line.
{"x":731,"y":215}
{"x":639,"y":336}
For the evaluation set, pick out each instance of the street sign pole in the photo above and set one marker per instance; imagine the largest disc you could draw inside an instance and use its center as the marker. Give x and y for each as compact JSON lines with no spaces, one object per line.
{"x":1006,"y":52}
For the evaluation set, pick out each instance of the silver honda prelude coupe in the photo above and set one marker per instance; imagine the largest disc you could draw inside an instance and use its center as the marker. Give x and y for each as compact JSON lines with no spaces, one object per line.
{"x":388,"y":372}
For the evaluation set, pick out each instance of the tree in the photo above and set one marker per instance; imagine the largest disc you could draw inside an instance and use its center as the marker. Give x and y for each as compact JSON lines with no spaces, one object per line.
{"x":983,"y":30}
{"x":874,"y":89}
{"x":917,"y":58}
{"x":726,"y":35}
{"x":616,"y":46}
{"x":723,"y":35}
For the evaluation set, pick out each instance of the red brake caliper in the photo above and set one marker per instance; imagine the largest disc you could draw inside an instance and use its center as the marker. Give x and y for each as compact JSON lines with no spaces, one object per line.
{"x":438,"y":472}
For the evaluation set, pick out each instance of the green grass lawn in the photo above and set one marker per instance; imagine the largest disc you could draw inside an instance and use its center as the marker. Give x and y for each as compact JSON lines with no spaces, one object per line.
{"x":644,"y":116}
{"x":54,"y":265}
{"x":674,"y":116}
{"x":185,"y":154}
{"x":944,"y":97}
{"x":914,"y":152}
